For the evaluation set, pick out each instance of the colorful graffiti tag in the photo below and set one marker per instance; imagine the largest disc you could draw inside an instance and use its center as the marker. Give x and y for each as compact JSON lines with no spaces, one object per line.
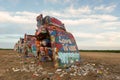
{"x":65,"y":43}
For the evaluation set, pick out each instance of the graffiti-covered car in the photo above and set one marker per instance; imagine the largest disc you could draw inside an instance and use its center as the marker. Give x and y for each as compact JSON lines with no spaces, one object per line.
{"x":53,"y":35}
{"x":29,"y":45}
{"x":52,"y":42}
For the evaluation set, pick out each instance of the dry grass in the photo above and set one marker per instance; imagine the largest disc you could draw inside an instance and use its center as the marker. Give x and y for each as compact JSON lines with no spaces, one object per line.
{"x":10,"y":59}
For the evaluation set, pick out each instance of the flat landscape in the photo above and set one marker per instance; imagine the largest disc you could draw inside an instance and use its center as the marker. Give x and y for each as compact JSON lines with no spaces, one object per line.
{"x":93,"y":66}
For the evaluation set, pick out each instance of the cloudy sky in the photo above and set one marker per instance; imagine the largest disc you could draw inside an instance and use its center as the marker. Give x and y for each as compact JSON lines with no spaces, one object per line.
{"x":95,"y":24}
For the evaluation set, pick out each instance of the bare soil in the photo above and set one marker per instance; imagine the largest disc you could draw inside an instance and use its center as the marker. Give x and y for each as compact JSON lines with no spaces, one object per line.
{"x":10,"y":60}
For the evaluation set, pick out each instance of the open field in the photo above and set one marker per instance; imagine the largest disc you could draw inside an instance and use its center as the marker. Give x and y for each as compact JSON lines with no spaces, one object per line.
{"x":13,"y":67}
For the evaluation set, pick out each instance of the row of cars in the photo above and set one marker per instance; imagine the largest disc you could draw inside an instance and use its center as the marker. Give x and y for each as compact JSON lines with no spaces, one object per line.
{"x":50,"y":40}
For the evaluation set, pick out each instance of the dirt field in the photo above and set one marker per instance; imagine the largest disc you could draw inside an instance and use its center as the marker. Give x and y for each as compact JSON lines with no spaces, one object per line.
{"x":95,"y":65}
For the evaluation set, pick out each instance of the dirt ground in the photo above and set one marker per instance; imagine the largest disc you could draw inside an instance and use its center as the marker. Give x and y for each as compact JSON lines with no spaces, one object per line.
{"x":13,"y":67}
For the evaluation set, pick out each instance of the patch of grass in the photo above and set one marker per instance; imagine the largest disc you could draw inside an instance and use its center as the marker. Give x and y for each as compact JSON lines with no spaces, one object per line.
{"x":5,"y":49}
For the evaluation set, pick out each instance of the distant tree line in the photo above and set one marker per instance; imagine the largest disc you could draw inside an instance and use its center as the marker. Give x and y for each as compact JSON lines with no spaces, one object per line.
{"x":112,"y":51}
{"x":5,"y":49}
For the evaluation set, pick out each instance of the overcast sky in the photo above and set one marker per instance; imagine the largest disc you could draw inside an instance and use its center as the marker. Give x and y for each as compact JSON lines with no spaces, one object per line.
{"x":95,"y":24}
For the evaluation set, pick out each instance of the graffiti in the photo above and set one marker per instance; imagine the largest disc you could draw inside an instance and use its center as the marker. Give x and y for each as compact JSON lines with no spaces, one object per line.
{"x":52,"y":20}
{"x":65,"y":42}
{"x":72,"y":48}
{"x":69,"y":48}
{"x":53,"y":35}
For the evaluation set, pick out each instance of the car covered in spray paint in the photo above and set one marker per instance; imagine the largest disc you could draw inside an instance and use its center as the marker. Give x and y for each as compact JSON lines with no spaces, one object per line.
{"x":19,"y":45}
{"x":29,"y":42}
{"x":59,"y":45}
{"x":62,"y":43}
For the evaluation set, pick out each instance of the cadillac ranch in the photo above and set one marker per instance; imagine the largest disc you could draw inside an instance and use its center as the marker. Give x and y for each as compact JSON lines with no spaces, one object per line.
{"x":51,"y":42}
{"x":52,"y":54}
